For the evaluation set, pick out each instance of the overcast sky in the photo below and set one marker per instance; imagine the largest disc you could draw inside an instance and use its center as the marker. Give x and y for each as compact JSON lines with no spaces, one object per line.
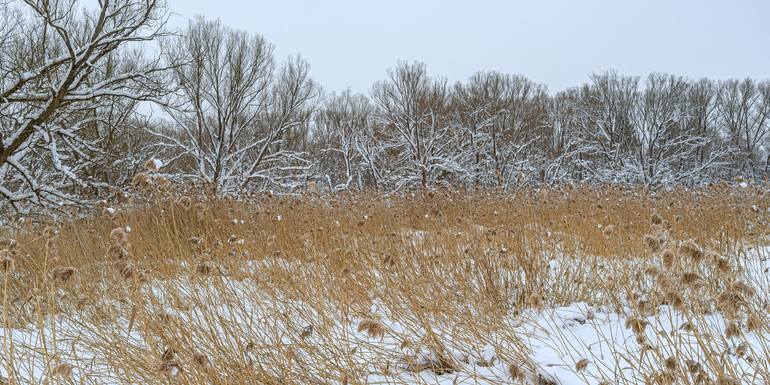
{"x":351,"y":43}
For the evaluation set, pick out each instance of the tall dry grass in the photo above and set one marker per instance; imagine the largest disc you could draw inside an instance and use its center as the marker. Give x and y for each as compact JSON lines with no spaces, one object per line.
{"x":183,"y":288}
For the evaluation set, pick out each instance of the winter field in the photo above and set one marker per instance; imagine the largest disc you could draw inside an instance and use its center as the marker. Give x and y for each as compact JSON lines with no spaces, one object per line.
{"x":582,"y":286}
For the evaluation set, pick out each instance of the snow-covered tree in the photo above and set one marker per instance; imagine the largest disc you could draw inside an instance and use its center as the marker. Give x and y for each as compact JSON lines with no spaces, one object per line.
{"x":343,"y":128}
{"x":56,"y":80}
{"x":413,"y":114}
{"x":233,"y":114}
{"x":744,"y":114}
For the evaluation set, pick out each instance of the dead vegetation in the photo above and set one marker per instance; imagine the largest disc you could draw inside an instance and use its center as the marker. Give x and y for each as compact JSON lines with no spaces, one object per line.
{"x":352,"y":288}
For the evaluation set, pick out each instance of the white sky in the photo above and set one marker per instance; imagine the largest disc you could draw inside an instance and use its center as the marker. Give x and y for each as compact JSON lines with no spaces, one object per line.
{"x":351,"y":43}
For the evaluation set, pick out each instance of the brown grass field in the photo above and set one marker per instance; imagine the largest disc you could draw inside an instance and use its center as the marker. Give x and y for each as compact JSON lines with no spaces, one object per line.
{"x":369,"y":288}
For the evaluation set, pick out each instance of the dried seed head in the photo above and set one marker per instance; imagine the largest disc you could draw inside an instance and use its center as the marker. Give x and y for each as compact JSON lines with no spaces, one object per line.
{"x":668,"y":259}
{"x":724,"y":379}
{"x":168,"y":355}
{"x":204,"y":268}
{"x":691,"y":249}
{"x":372,"y":328}
{"x":6,"y":262}
{"x":671,"y":363}
{"x":185,"y":202}
{"x":743,"y":288}
{"x":636,"y":325}
{"x":126,"y":269}
{"x":742,"y":349}
{"x":690,"y":278}
{"x":675,"y":300}
{"x":754,"y":322}
{"x":608,"y":230}
{"x":516,"y":372}
{"x":653,"y":242}
{"x":62,"y":274}
{"x":62,"y":371}
{"x":140,"y":180}
{"x":723,"y":264}
{"x":732,"y":330}
{"x":8,"y":243}
{"x":693,"y":366}
{"x":153,"y":164}
{"x":201,"y":360}
{"x":581,"y":365}
{"x":536,"y":301}
{"x":119,"y":235}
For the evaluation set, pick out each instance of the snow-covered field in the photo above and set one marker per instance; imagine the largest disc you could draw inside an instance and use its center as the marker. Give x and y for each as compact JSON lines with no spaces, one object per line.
{"x":397,"y":295}
{"x":575,"y":344}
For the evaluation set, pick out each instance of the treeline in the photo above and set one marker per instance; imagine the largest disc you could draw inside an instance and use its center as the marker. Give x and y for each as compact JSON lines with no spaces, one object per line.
{"x":78,"y":87}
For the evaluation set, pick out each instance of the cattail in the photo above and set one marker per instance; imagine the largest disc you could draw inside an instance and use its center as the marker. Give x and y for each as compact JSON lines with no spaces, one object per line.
{"x":372,"y":328}
{"x":732,"y":330}
{"x":656,"y":219}
{"x":63,"y":274}
{"x":636,"y":324}
{"x":581,"y":365}
{"x":119,"y":235}
{"x":516,"y":372}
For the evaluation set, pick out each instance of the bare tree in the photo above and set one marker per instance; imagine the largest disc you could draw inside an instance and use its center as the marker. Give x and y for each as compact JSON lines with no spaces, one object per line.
{"x":342,"y":126}
{"x":413,"y":112}
{"x":55,"y":74}
{"x":744,"y":113}
{"x":504,"y":119}
{"x":233,"y":113}
{"x":664,"y":143}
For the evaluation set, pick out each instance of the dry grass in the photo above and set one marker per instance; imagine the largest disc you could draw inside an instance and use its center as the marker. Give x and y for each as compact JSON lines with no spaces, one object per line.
{"x":187,"y":289}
